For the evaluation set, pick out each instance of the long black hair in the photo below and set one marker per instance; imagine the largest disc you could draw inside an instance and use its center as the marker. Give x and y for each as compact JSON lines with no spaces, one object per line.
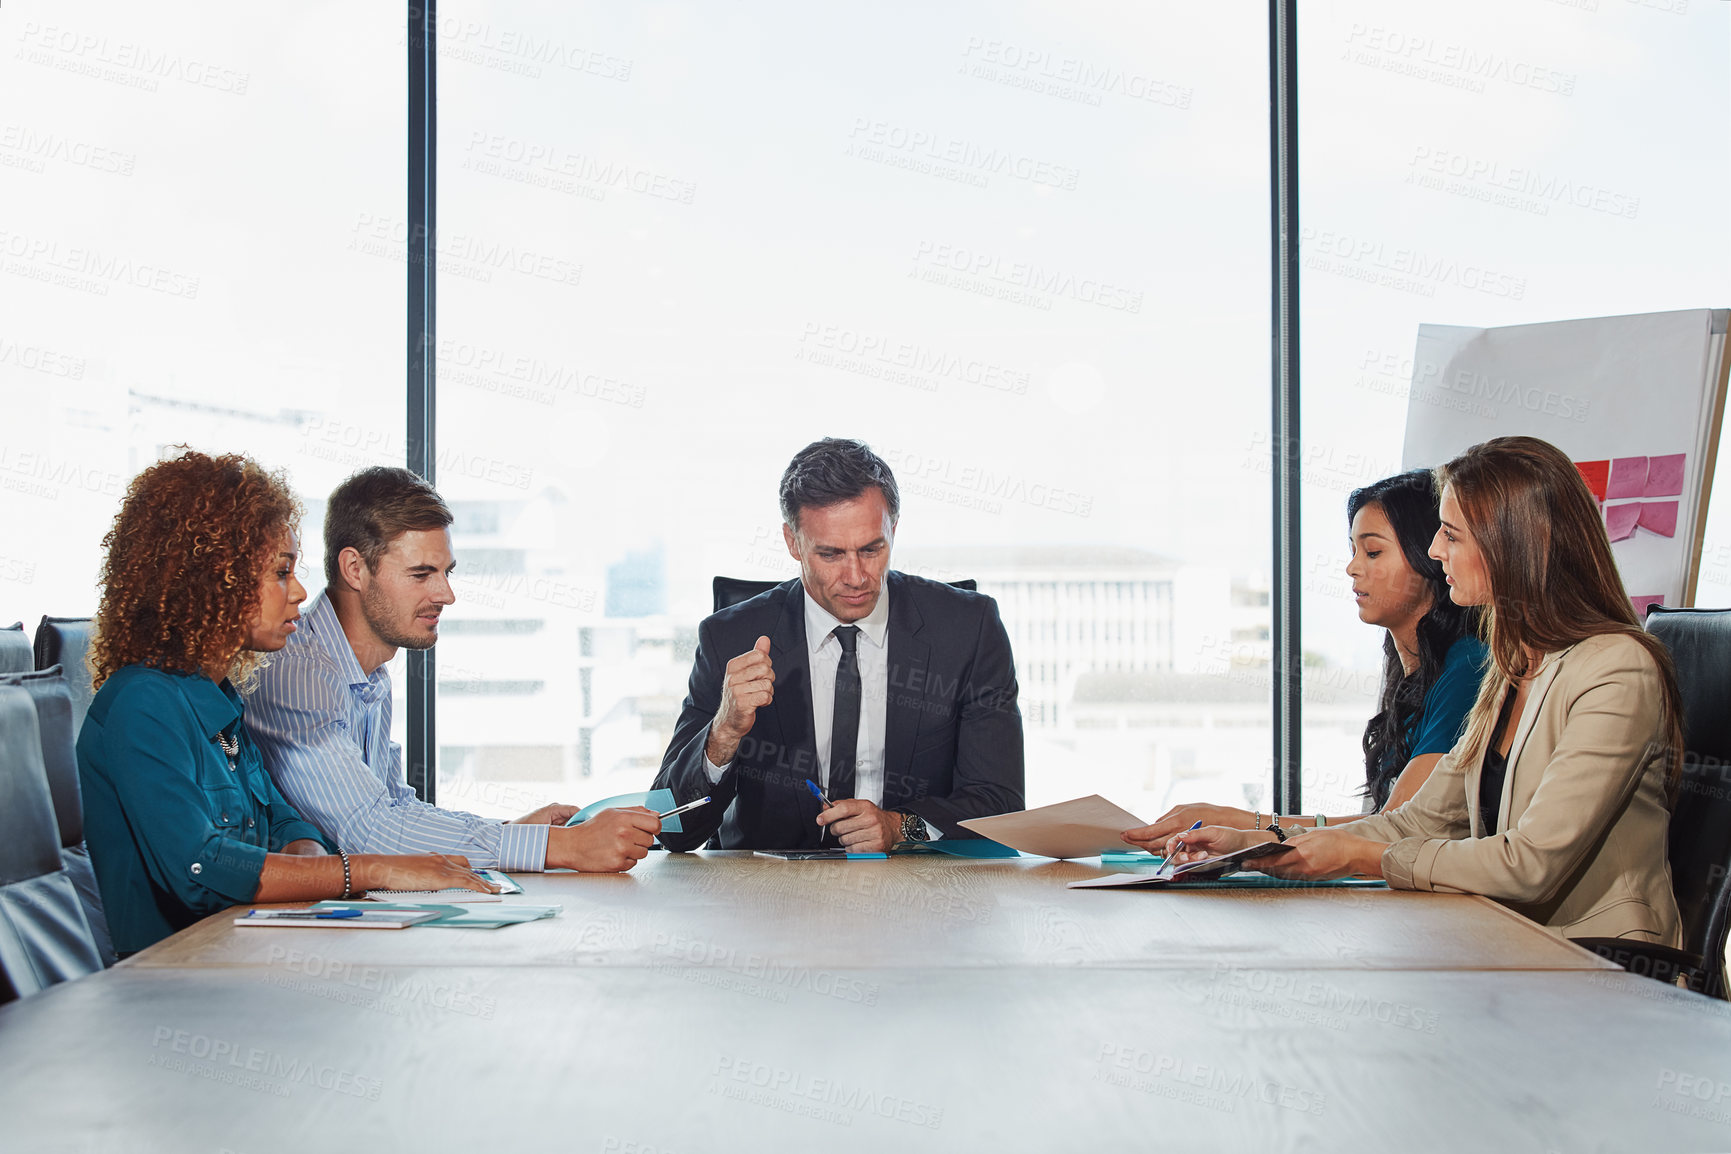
{"x":1409,"y":501}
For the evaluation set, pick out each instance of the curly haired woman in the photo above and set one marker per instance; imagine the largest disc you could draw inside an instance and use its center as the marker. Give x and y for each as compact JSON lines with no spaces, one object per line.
{"x":182,"y":820}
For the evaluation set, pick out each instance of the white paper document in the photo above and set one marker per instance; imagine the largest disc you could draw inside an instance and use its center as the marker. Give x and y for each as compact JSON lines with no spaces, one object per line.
{"x":1084,"y":827}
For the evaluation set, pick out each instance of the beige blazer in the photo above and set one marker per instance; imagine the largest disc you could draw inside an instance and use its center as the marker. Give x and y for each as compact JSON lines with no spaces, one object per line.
{"x":1583,"y":818}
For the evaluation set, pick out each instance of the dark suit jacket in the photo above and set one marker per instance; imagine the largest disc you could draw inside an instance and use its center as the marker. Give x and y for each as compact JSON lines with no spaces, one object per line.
{"x":953,"y":734}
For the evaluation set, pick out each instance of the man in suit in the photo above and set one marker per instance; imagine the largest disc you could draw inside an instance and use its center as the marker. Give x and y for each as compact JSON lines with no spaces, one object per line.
{"x":894,"y":695}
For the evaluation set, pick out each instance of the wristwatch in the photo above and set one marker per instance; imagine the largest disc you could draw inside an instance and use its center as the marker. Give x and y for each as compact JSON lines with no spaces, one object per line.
{"x":914,"y":828}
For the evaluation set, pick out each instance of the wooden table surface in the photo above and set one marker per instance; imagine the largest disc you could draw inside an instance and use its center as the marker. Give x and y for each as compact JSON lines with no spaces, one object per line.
{"x":708,"y":908}
{"x":722,"y":1002}
{"x":596,"y":1059}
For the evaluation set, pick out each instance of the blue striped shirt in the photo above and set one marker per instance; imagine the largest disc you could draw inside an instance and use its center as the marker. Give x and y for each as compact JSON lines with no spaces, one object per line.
{"x":324,"y":728}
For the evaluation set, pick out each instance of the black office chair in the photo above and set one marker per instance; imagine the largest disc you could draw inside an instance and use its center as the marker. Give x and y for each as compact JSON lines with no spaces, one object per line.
{"x":55,"y":708}
{"x":44,"y":938}
{"x":1700,"y":842}
{"x":733,"y":590}
{"x":65,"y":641}
{"x":15,"y":655}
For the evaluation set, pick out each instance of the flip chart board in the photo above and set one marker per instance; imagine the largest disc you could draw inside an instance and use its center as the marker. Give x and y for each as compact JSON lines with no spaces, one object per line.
{"x":1636,"y":402}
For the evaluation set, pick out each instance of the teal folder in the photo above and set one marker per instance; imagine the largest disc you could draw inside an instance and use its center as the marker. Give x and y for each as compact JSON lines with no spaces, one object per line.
{"x":970,"y":847}
{"x":1255,"y":881}
{"x":659,"y":800}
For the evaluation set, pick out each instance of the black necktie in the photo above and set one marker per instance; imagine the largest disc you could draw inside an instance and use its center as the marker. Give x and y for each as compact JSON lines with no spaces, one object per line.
{"x":844,"y":733}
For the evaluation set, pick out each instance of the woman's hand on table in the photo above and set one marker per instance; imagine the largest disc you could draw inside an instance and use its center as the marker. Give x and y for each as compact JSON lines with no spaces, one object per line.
{"x":1190,"y":845}
{"x":1317,"y":855}
{"x":427,"y":871}
{"x":1180,"y":818}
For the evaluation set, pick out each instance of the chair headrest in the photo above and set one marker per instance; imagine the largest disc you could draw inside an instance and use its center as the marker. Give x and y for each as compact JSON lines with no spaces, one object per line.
{"x":57,"y":722}
{"x":29,"y":836}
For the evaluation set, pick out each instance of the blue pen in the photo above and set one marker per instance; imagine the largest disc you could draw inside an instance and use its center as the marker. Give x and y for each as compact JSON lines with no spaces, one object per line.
{"x":1171,"y":862}
{"x":1179,"y":840}
{"x":686,"y":808}
{"x":827,"y":803}
{"x":309,"y":914}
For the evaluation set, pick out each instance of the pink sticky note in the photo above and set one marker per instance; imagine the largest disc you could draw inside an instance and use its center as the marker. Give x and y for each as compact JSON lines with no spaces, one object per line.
{"x":1664,"y":476}
{"x":1642,"y":604}
{"x":1620,"y":519}
{"x":1659,"y":517}
{"x":1628,"y":478}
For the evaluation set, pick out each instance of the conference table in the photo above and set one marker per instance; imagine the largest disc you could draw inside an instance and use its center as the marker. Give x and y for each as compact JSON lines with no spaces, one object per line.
{"x":722,"y":1001}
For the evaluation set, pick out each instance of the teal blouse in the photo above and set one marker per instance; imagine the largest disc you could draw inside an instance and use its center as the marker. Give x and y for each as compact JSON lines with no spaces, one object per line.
{"x":1450,"y":698}
{"x":175,"y":834}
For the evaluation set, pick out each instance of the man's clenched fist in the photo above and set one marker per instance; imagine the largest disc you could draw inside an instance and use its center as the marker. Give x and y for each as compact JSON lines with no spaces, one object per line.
{"x":748,"y":686}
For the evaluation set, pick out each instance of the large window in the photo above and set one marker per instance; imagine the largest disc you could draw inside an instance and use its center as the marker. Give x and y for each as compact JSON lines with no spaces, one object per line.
{"x":1477,"y":165}
{"x":196,"y":249}
{"x":1023,"y":255}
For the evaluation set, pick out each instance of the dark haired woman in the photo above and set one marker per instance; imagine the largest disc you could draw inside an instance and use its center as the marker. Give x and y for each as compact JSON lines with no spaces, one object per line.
{"x":182,"y":820}
{"x":1555,"y":802}
{"x":1432,"y":659}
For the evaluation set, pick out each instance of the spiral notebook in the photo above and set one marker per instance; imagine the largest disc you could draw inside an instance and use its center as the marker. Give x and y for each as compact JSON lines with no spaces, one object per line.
{"x":458,"y":895}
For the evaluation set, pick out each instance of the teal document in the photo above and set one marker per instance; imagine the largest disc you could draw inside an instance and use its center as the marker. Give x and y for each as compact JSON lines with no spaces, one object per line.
{"x":659,"y":800}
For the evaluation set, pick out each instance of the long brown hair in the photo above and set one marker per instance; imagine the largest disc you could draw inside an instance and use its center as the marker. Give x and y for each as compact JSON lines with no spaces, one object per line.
{"x":1553,"y":579}
{"x":1409,"y":502}
{"x":180,"y":581}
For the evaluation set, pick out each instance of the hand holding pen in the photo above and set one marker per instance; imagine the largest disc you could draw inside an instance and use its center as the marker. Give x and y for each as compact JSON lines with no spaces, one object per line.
{"x":1173,"y":848}
{"x":1209,"y":841}
{"x":686,"y":808}
{"x":823,"y":800}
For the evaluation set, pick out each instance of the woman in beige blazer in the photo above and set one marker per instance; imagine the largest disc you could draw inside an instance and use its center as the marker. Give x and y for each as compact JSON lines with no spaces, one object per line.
{"x":1556,"y":799}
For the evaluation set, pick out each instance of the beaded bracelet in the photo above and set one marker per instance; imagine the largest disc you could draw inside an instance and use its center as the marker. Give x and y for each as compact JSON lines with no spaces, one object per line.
{"x":345,"y":858}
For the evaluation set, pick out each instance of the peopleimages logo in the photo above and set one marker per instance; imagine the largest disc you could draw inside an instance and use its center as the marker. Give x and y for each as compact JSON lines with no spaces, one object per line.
{"x":89,"y":267}
{"x":38,"y":359}
{"x":925,"y":365}
{"x":50,"y":146}
{"x":1068,"y":77}
{"x":208,"y":1054}
{"x":1521,"y":183}
{"x":554,"y":161}
{"x":1409,"y":269}
{"x":789,"y":1090}
{"x":90,"y":54}
{"x":1457,"y":65}
{"x":873,"y":139}
{"x":923,"y":473}
{"x":1031,"y":280}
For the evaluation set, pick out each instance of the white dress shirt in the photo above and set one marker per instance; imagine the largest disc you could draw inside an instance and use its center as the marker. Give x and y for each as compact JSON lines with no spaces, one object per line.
{"x":823,"y":651}
{"x":823,"y":655}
